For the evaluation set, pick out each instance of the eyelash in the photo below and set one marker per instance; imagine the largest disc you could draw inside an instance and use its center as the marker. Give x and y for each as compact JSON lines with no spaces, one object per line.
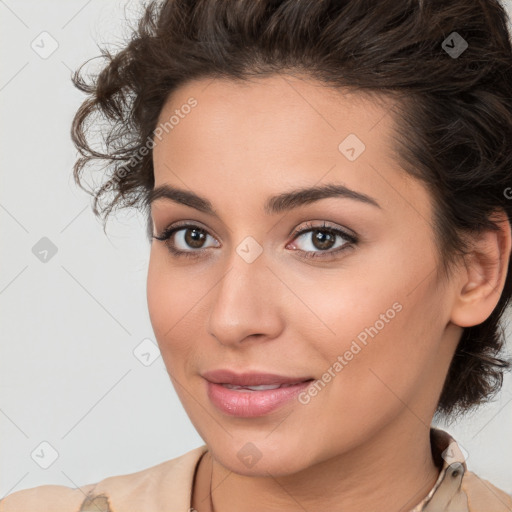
{"x":351,"y":240}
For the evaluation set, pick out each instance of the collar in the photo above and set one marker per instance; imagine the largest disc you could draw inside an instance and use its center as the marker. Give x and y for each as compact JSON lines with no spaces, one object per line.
{"x":447,"y":489}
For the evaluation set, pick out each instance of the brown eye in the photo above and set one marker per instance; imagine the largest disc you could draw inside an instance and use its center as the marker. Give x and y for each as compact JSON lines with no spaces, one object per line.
{"x":194,"y":237}
{"x":184,"y":240}
{"x":321,"y":239}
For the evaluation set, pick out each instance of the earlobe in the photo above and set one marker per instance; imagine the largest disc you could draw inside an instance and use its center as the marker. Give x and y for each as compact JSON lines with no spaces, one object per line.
{"x":482,"y":276}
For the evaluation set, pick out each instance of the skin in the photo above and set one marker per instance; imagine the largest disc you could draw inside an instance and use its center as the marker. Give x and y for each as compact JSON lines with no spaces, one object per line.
{"x":363,"y":442}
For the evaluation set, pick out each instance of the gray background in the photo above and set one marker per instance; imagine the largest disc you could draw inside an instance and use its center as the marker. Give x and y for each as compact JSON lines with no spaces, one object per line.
{"x":72,"y":374}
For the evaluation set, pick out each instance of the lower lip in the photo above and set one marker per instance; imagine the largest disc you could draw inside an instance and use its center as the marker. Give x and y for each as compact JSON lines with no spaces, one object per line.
{"x":249,"y":404}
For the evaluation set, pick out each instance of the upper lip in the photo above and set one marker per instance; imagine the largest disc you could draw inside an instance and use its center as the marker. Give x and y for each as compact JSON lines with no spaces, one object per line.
{"x":225,"y":376}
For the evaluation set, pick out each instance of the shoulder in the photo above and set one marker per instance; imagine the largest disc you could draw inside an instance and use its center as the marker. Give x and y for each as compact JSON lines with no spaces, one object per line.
{"x":155,"y":487}
{"x":45,"y":498}
{"x":484,"y":496}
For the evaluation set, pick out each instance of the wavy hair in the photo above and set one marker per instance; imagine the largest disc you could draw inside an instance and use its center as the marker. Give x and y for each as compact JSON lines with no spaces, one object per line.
{"x":447,"y":66}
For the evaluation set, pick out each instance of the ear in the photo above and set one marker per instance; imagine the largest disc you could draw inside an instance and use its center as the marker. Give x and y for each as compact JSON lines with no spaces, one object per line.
{"x":482,"y":276}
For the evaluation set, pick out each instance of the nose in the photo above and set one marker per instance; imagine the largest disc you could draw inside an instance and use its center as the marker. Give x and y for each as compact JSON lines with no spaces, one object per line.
{"x":247,"y":303}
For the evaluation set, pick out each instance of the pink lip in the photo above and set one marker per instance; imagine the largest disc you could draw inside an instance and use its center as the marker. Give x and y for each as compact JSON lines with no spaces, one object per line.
{"x":246,"y":403}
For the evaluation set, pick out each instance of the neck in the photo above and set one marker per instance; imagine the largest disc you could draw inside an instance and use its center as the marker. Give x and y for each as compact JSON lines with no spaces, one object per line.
{"x":393,"y":471}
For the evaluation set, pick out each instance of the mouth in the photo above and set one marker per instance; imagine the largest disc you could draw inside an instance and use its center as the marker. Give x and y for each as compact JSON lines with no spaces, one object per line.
{"x":252,"y":394}
{"x":251,"y":379}
{"x":263,"y":387}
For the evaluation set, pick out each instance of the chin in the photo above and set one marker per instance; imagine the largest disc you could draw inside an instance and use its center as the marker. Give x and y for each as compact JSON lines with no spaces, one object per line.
{"x":264,"y":457}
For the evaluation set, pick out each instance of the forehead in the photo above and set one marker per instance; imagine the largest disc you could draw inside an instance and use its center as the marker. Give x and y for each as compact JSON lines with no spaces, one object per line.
{"x":292,"y":85}
{"x":299,"y":90}
{"x":242,"y":142}
{"x":279,"y":118}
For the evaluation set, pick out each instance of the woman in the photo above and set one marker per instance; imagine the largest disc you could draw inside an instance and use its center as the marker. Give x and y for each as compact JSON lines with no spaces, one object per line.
{"x":327,"y":188}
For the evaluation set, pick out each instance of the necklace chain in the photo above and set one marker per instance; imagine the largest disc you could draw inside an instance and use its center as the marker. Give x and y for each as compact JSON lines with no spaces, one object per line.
{"x":212,"y":508}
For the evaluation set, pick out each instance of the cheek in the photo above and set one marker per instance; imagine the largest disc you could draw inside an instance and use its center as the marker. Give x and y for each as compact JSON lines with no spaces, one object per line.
{"x":167,"y":303}
{"x":157,"y":296}
{"x":174,"y":304}
{"x":382,"y":324}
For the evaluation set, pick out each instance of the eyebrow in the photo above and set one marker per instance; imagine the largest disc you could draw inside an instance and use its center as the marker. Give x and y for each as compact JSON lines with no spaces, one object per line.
{"x":274,"y":205}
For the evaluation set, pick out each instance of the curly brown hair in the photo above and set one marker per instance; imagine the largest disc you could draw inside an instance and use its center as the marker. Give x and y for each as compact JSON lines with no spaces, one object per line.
{"x":446,"y":65}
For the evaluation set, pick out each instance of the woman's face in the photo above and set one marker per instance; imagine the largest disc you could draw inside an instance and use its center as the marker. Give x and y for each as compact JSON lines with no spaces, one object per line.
{"x":364,"y":316}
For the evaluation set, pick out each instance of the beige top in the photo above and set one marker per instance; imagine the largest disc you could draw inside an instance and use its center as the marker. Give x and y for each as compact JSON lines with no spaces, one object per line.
{"x":167,"y":487}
